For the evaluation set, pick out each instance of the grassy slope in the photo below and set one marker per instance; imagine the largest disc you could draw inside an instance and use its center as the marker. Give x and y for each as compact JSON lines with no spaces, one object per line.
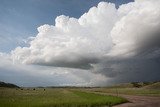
{"x":56,"y":97}
{"x":149,"y":89}
{"x":153,"y":86}
{"x":129,"y":91}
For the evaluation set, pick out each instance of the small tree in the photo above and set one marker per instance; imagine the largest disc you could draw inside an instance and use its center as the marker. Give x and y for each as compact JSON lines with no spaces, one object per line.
{"x":136,"y":84}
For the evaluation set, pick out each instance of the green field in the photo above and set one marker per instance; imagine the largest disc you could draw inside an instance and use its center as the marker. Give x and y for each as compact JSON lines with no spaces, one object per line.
{"x":54,"y":97}
{"x":72,"y":96}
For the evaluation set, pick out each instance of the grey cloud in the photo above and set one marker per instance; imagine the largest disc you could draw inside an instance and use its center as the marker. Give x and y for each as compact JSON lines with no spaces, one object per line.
{"x":71,"y":61}
{"x":150,"y":43}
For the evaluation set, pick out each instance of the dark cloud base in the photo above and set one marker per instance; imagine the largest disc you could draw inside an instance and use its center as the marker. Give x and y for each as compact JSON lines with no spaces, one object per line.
{"x":130,"y":70}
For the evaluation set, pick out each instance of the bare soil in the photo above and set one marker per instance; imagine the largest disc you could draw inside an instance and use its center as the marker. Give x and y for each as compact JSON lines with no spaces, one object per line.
{"x":140,"y":101}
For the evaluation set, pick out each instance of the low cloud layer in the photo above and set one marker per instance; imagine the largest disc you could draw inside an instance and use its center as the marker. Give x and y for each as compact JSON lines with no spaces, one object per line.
{"x":31,"y":75}
{"x":116,"y":45}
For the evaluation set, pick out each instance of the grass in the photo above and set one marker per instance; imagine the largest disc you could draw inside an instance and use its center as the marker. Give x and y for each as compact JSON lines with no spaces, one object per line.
{"x":54,"y":97}
{"x":129,"y":91}
{"x":133,"y":88}
{"x":153,"y":86}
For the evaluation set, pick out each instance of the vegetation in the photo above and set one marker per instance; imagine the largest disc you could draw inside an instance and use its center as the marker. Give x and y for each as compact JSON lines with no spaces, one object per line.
{"x":73,"y":96}
{"x":54,"y":97}
{"x":155,"y":85}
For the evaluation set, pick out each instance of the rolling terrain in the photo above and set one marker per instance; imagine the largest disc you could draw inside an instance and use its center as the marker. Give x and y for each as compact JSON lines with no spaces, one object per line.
{"x":137,"y":94}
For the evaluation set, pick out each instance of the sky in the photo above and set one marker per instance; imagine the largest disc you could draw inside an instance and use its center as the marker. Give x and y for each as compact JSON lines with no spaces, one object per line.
{"x":79,"y":42}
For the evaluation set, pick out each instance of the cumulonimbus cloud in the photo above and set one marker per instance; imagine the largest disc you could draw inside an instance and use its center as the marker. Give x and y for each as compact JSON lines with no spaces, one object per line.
{"x":103,"y":31}
{"x":71,"y":42}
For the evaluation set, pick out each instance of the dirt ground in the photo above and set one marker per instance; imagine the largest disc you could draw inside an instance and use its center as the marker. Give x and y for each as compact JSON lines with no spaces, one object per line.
{"x":140,"y":101}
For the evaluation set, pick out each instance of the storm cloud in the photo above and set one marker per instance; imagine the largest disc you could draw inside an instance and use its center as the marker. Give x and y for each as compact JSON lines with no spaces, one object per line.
{"x":117,"y":45}
{"x":74,"y":43}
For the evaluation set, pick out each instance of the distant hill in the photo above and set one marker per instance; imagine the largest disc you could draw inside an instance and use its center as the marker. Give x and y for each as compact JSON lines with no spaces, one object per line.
{"x":122,"y":85}
{"x":155,"y":85}
{"x":9,"y":85}
{"x":147,"y":85}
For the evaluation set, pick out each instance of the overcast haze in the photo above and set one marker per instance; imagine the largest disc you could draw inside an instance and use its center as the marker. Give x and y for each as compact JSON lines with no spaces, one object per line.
{"x":82,"y":43}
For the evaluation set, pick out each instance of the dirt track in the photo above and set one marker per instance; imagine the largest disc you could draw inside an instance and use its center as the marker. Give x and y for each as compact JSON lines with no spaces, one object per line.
{"x":140,"y":101}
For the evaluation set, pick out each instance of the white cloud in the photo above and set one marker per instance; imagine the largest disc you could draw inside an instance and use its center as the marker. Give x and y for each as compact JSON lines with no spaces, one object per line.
{"x":71,"y":42}
{"x":78,"y":43}
{"x":137,"y":27}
